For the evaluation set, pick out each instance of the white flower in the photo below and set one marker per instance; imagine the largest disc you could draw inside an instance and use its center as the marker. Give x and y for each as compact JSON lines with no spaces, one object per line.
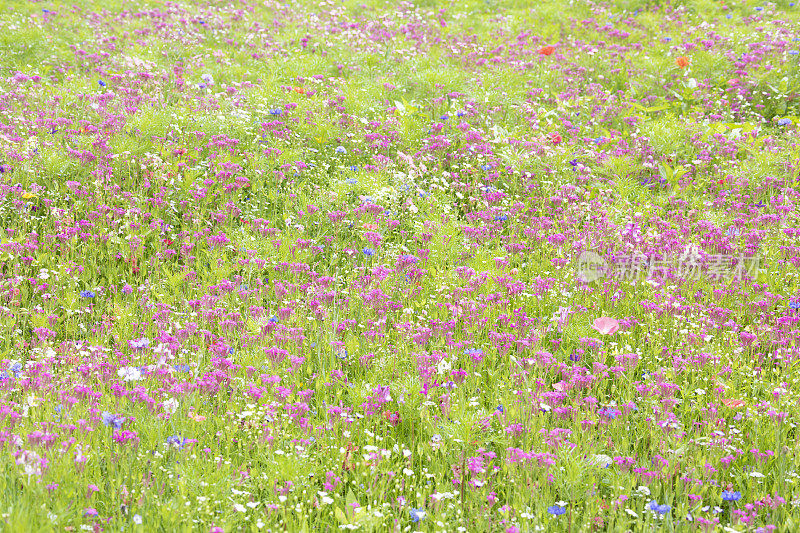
{"x":137,"y":519}
{"x":632,"y":513}
{"x":171,"y":405}
{"x":756,"y":474}
{"x":408,"y":472}
{"x":239,"y":507}
{"x":129,"y":373}
{"x":600,"y":460}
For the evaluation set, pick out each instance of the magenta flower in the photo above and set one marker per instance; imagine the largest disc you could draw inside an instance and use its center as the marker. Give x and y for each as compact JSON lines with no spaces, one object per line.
{"x":606,"y":325}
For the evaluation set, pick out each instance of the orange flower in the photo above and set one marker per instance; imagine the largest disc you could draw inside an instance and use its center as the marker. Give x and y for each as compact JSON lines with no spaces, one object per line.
{"x":682,"y":61}
{"x":299,"y":90}
{"x":547,"y":50}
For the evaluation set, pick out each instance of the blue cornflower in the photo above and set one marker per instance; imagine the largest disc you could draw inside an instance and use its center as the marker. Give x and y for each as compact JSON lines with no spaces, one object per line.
{"x":574,"y":162}
{"x":500,"y":408}
{"x":731,"y":496}
{"x":351,"y":181}
{"x":610,"y":413}
{"x":273,"y":320}
{"x":759,"y":8}
{"x":417,"y":515}
{"x":354,"y":168}
{"x":792,"y":52}
{"x":486,"y":167}
{"x":369,"y":252}
{"x":660,"y":509}
{"x":277,"y":111}
{"x":101,"y":83}
{"x":784,"y":122}
{"x":181,"y":368}
{"x":340,"y":150}
{"x":556,"y":510}
{"x":15,"y":368}
{"x":87,"y":294}
{"x":460,"y":114}
{"x":794,"y":305}
{"x":444,"y":117}
{"x":112,"y":421}
{"x":176,"y":441}
{"x":501,"y":218}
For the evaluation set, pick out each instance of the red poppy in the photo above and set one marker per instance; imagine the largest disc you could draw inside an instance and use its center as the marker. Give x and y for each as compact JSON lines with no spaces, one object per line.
{"x":682,"y":61}
{"x":547,"y":50}
{"x":555,"y":137}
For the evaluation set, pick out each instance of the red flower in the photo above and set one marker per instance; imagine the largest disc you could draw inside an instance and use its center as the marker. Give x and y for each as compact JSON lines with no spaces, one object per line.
{"x":732,"y":403}
{"x":682,"y":61}
{"x":547,"y":50}
{"x":555,"y":137}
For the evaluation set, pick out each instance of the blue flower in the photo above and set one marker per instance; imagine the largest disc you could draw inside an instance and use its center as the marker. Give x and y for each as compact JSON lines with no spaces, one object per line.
{"x":784,"y":122}
{"x":792,"y":52}
{"x":369,"y":252}
{"x":731,"y":496}
{"x":102,"y":83}
{"x":500,"y":408}
{"x":610,"y":413}
{"x":417,"y":515}
{"x":660,"y":509}
{"x":341,"y":150}
{"x":277,"y":111}
{"x":759,"y":8}
{"x":351,"y":181}
{"x":486,"y":167}
{"x":354,"y":168}
{"x":444,"y":117}
{"x":181,"y":368}
{"x":556,"y":510}
{"x":794,"y":305}
{"x":176,"y":441}
{"x":87,"y":294}
{"x":501,"y":218}
{"x":112,"y":421}
{"x":273,"y":320}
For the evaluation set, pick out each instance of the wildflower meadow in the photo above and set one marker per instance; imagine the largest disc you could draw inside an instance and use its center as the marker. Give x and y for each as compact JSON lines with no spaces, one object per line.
{"x":357,"y":265}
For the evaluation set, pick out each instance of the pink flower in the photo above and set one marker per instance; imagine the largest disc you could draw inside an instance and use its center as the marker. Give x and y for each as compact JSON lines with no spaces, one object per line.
{"x":606,"y":325}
